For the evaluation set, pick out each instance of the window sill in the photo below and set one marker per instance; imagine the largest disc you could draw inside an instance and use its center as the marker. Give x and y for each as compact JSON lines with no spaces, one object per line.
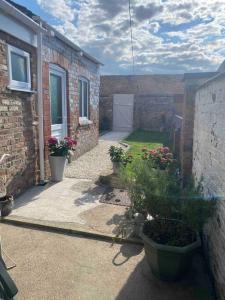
{"x":84,"y":121}
{"x":13,"y":88}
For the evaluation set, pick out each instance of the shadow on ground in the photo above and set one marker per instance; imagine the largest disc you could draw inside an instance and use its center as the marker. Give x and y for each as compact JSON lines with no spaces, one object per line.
{"x":142,"y":285}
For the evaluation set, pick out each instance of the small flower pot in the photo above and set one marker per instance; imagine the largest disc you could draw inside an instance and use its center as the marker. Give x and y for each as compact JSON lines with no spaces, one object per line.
{"x":169,"y":263}
{"x":6,"y":205}
{"x":116,"y":167}
{"x":57,"y":166}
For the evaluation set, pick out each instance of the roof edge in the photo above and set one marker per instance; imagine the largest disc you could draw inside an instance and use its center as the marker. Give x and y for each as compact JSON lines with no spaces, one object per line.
{"x":217,"y":76}
{"x":72,"y":45}
{"x":20,"y":16}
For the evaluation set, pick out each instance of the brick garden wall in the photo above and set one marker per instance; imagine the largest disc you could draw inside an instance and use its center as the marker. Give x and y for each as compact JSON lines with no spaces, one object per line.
{"x":57,"y":52}
{"x":18,"y":129}
{"x":157,"y":97}
{"x":209,"y":168}
{"x":155,"y":112}
{"x":191,"y":83}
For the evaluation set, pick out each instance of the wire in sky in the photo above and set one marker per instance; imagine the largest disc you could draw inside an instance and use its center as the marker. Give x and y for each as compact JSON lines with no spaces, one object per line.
{"x":131,"y":35}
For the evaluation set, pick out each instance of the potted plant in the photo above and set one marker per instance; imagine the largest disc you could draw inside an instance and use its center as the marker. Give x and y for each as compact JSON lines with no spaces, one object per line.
{"x":6,"y":201}
{"x":6,"y":205}
{"x":119,"y":158}
{"x":59,"y":151}
{"x":173,"y":216}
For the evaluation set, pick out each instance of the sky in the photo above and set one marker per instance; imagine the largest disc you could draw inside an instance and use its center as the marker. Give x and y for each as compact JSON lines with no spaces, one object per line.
{"x":169,"y":36}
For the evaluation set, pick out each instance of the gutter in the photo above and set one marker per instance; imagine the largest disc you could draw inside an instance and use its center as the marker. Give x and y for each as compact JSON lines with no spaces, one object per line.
{"x":40,"y":108}
{"x":38,"y":29}
{"x":17,"y":14}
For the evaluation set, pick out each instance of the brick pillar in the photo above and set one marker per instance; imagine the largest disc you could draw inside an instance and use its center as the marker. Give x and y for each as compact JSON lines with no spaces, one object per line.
{"x":187,"y":131}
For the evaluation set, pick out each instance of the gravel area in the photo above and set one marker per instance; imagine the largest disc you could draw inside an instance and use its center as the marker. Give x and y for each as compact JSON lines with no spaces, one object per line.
{"x":95,"y":162}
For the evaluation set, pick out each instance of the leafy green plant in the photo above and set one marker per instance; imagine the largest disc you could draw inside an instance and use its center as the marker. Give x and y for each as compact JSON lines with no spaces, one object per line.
{"x":118,"y":155}
{"x":158,"y":193}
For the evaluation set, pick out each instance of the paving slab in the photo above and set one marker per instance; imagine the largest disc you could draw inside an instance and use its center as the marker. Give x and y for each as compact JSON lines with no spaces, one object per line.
{"x":51,"y":266}
{"x":61,"y":202}
{"x":75,"y":200}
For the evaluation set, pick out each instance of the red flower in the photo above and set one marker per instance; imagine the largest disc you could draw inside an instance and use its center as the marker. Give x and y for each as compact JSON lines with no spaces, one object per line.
{"x":71,"y":142}
{"x":52,"y":141}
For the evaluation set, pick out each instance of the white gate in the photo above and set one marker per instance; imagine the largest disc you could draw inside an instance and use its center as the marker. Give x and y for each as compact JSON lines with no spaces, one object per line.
{"x":123,"y":110}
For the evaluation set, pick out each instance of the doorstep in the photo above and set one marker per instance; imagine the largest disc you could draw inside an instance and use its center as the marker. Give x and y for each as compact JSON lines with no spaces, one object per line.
{"x":68,"y":229}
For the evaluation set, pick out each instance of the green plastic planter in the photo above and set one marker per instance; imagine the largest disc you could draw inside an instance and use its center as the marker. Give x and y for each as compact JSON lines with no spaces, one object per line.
{"x":169,"y":263}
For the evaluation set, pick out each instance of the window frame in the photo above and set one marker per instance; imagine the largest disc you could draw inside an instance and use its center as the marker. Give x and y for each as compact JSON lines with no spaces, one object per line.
{"x":81,"y":114}
{"x":14,"y":84}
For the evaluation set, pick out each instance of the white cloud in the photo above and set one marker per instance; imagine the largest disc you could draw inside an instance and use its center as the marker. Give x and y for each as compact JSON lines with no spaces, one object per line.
{"x":168,"y":36}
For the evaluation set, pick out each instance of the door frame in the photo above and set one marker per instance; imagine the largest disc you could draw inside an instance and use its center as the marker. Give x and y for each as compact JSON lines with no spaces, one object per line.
{"x":56,"y":70}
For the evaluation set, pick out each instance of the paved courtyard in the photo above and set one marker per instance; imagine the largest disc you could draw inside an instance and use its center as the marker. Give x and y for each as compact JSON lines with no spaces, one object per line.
{"x":53,"y":266}
{"x":75,"y":200}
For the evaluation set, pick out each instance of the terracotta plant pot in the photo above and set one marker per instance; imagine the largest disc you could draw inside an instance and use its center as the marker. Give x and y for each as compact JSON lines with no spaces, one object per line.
{"x":6,"y":205}
{"x":169,"y":263}
{"x":57,"y":166}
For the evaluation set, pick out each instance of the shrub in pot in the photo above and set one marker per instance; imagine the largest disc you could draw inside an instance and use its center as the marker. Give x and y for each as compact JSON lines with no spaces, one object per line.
{"x":119,"y":158}
{"x":59,"y":151}
{"x":174,"y":216}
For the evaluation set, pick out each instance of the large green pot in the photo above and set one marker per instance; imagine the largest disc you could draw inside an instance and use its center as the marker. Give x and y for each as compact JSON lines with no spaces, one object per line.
{"x":169,"y":263}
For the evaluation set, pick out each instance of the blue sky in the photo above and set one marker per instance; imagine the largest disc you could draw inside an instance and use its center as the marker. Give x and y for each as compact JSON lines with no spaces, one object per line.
{"x":170,"y":36}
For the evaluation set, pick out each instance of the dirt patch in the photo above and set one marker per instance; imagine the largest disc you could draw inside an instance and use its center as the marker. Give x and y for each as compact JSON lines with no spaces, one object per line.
{"x":116,"y":197}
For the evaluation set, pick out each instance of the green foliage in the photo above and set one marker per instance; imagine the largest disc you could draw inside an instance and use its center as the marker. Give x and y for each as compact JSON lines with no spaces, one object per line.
{"x":117,"y":154}
{"x":140,"y":138}
{"x":159,"y":193}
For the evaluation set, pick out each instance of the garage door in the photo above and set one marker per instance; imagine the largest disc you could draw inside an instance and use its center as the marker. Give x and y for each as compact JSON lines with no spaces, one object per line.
{"x":123,"y":110}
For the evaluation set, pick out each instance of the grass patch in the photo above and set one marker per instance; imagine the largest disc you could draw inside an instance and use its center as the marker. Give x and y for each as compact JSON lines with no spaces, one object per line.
{"x":140,"y":138}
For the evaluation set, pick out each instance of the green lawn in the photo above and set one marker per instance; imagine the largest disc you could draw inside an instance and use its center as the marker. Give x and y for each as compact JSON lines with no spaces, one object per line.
{"x":140,"y":138}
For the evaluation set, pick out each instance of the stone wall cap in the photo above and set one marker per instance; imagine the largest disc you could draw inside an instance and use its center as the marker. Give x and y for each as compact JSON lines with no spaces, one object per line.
{"x":217,"y":76}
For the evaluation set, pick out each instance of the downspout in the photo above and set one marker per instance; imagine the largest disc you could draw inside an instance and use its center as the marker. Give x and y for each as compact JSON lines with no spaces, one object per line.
{"x":40,"y":107}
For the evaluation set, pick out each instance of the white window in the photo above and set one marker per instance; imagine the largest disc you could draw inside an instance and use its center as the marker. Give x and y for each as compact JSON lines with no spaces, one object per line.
{"x":19,"y":69}
{"x":83,"y":97}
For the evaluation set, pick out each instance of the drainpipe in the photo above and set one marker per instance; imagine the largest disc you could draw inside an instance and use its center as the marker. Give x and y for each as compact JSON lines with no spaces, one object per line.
{"x":40,"y":108}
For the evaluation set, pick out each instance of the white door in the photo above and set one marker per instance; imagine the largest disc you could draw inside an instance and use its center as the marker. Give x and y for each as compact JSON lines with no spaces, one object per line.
{"x":123,"y":110}
{"x":58,"y":102}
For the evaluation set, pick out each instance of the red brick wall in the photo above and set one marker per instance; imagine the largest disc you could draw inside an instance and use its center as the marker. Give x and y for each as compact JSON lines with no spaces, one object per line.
{"x":18,"y":125}
{"x":58,"y":53}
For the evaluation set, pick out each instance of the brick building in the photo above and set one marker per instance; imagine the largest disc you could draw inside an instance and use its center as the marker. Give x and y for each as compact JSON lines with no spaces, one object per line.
{"x":48,"y":87}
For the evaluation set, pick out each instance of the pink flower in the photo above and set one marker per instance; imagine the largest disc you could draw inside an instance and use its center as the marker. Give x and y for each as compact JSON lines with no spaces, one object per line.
{"x":163,"y":160}
{"x":166,"y":150}
{"x":52,"y":141}
{"x":160,"y":149}
{"x":169,"y":155}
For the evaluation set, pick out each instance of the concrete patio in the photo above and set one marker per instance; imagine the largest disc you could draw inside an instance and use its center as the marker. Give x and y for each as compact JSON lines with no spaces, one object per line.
{"x":74,"y":202}
{"x":54,"y":267}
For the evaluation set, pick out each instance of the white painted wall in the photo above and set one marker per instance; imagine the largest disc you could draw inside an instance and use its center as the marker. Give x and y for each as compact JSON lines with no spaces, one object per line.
{"x":9,"y":25}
